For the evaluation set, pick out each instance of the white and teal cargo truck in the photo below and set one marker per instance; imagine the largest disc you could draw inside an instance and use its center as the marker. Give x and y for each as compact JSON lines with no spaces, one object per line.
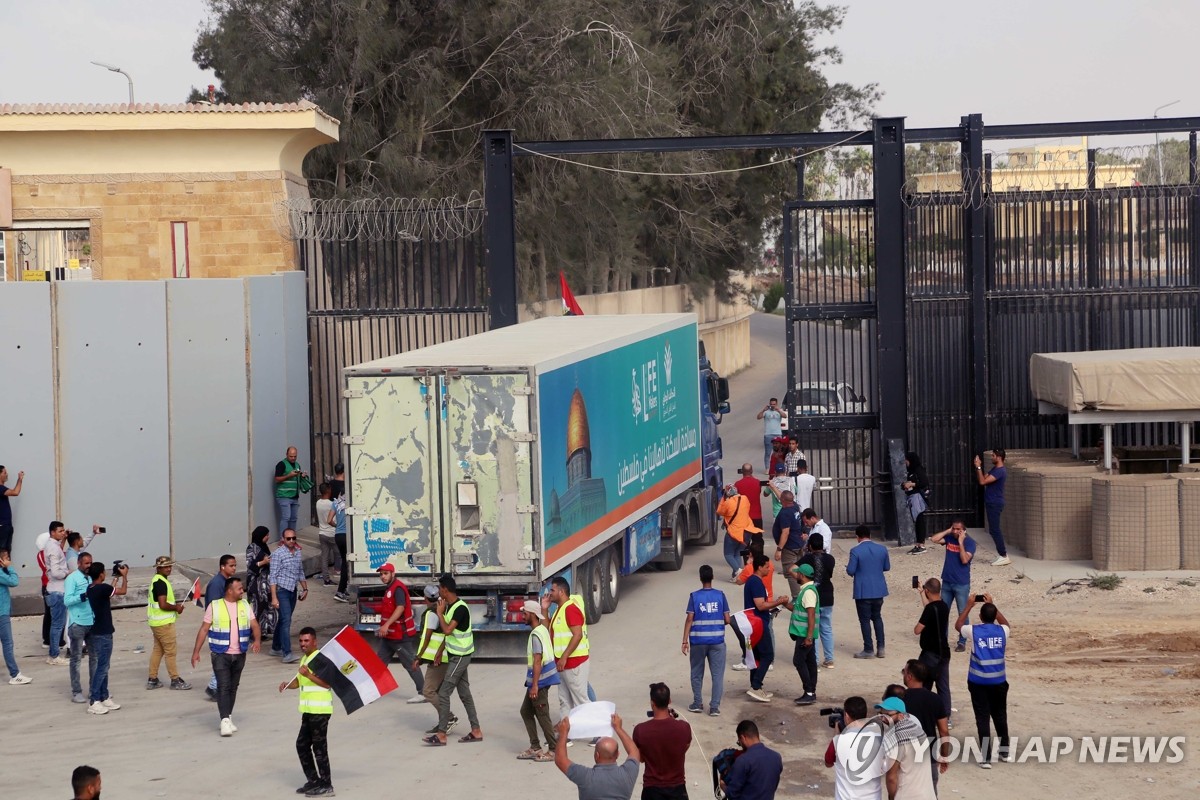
{"x":584,"y":446}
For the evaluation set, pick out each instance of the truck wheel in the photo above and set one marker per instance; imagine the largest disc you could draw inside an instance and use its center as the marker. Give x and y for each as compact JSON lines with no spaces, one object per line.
{"x":590,"y":583}
{"x":678,"y":537}
{"x":610,"y":586}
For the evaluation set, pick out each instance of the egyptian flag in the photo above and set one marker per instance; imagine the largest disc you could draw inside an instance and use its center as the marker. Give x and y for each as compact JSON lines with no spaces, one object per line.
{"x":351,"y":668}
{"x":570,"y":307}
{"x":195,"y":594}
{"x":748,"y":629}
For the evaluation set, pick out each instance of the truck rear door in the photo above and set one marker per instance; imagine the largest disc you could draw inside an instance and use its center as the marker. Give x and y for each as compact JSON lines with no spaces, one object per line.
{"x":392,"y":474}
{"x":487,"y":469}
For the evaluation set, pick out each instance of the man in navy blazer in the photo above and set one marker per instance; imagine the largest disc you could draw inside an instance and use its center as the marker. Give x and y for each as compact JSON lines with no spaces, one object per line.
{"x":868,"y":561}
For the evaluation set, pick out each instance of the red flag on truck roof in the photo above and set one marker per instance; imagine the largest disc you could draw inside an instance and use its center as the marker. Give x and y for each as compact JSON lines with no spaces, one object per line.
{"x":351,"y":668}
{"x":570,"y":306}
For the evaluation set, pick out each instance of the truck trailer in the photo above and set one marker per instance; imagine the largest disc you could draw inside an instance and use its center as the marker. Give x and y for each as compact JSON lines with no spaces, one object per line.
{"x":578,"y":446}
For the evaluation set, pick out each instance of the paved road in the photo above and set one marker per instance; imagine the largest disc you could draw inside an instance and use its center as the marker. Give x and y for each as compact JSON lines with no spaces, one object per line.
{"x":165,"y":744}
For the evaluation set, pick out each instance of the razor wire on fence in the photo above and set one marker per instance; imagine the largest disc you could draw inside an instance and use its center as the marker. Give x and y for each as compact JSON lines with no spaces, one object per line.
{"x":380,"y":219}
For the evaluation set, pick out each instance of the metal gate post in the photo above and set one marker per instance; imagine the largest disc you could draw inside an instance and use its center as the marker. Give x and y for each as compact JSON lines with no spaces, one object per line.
{"x":1194,"y":239}
{"x":976,"y":224}
{"x":890,"y":305}
{"x":500,"y":252}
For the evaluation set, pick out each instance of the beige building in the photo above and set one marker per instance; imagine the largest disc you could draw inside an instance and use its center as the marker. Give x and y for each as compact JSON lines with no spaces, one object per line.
{"x":151,"y":191}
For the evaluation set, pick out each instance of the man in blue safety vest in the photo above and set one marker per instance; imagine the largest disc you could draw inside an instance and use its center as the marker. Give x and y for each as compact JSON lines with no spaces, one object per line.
{"x":704,"y":640}
{"x":231,"y":630}
{"x":986,"y":679}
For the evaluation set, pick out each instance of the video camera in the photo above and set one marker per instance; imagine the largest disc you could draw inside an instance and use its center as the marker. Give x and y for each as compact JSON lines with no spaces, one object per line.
{"x":837,"y":717}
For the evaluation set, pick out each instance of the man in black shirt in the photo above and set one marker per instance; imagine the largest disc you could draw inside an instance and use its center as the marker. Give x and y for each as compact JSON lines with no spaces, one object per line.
{"x":935,"y":648}
{"x":822,"y":564}
{"x":927,"y":708}
{"x":100,"y":638}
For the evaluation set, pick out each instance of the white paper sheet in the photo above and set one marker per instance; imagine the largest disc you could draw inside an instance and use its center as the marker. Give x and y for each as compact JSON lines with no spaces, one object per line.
{"x":592,"y":719}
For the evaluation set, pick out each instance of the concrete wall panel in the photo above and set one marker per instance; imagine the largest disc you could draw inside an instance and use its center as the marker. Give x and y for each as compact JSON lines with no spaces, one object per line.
{"x":268,"y":400}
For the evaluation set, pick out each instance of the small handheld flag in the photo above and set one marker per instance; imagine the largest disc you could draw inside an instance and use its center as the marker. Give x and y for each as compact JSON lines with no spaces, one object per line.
{"x":195,"y":594}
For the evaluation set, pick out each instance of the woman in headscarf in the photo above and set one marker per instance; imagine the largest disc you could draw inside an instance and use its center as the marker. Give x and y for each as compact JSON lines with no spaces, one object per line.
{"x":258,"y":580}
{"x":916,"y":491}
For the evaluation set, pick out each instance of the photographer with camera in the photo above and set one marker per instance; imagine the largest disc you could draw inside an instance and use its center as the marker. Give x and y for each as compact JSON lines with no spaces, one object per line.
{"x":662,"y":744}
{"x":986,"y":679}
{"x":855,"y":752}
{"x":100,"y":638}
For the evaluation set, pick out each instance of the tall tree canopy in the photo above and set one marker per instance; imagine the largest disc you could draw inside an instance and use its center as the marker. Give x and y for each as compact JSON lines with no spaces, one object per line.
{"x":414,"y":82}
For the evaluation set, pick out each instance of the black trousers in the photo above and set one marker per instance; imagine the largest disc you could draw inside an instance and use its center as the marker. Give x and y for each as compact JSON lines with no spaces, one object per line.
{"x":312,"y":745}
{"x":228,"y":670}
{"x":340,"y":541}
{"x":665,"y":792}
{"x":804,"y":659}
{"x":6,"y":537}
{"x":990,"y":704}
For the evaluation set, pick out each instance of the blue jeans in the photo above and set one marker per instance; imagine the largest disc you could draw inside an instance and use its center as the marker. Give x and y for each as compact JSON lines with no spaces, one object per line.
{"x":870,"y":614}
{"x":993,"y":524}
{"x":288,"y":508}
{"x":767,"y":437}
{"x":58,"y":620}
{"x":825,"y":625}
{"x":77,"y":635}
{"x":733,"y":553}
{"x":10,"y":658}
{"x":100,"y":646}
{"x":714,"y":654}
{"x":956,"y":593}
{"x":764,"y":654}
{"x":282,"y":640}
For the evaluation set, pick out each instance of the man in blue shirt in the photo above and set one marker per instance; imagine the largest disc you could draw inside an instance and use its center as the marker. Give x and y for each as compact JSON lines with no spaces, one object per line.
{"x":755,"y":596}
{"x":80,"y":618}
{"x":993,"y":501}
{"x":868,"y":561}
{"x":772,"y":419}
{"x":704,"y":636}
{"x":756,"y":772}
{"x":956,"y":571}
{"x":790,"y":537}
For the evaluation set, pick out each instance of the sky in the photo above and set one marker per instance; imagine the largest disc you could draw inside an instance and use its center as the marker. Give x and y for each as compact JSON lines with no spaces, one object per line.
{"x":935,"y":60}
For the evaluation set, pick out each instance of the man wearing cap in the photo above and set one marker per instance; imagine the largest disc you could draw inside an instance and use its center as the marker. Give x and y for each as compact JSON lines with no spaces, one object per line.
{"x":905,"y":748}
{"x":541,"y":672}
{"x":398,"y":629}
{"x":805,"y":607}
{"x":776,"y":486}
{"x":431,"y":652}
{"x":161,"y":613}
{"x":823,"y":565}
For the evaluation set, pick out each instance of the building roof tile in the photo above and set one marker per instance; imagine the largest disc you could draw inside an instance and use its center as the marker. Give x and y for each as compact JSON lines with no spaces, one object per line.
{"x":155,"y":108}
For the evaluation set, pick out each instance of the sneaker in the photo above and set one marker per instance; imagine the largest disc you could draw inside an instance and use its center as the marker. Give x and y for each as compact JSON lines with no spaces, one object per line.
{"x":308,"y":785}
{"x":985,"y":764}
{"x":739,"y":667}
{"x":277,"y":653}
{"x":879,"y":653}
{"x":595,"y":740}
{"x":226,"y":727}
{"x":97,"y":709}
{"x":231,"y":724}
{"x":828,"y":664}
{"x":110,"y":704}
{"x":153,"y":683}
{"x":696,"y":708}
{"x":714,"y":712}
{"x":329,"y":582}
{"x":806,"y":699}
{"x":179,"y":684}
{"x":19,"y":680}
{"x":770,"y":695}
{"x":78,"y":698}
{"x":1002,"y":561}
{"x":865,"y":654}
{"x":58,"y":661}
{"x":771,"y":666}
{"x":341,"y":597}
{"x":291,"y":658}
{"x":45,"y":645}
{"x":211,"y":692}
{"x":320,"y":790}
{"x":758,"y":695}
{"x":918,"y":551}
{"x":1008,"y":758}
{"x":417,"y":698}
{"x":960,"y":648}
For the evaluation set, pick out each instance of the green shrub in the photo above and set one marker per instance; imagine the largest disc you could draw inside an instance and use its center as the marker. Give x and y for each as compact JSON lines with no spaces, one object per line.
{"x":772,"y":297}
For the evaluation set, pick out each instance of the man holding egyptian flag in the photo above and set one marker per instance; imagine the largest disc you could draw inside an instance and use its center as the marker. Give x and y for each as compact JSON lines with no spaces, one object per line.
{"x":348,"y":667}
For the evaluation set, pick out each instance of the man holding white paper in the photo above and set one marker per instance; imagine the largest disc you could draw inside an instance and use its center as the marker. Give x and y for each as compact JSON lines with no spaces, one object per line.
{"x":606,"y":779}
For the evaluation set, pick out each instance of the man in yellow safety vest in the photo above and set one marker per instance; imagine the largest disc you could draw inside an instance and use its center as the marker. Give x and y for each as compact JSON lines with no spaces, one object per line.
{"x":161,"y":613}
{"x":568,"y":633}
{"x":316,"y":707}
{"x":228,"y":624}
{"x":455,"y":621}
{"x":431,"y":651}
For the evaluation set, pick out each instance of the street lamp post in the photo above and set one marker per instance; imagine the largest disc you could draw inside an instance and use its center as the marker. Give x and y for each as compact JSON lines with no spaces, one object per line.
{"x":111,"y":68}
{"x":1157,"y":146}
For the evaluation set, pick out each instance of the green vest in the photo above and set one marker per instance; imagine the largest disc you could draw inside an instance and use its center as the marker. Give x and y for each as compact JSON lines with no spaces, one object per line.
{"x":798,"y":629}
{"x":156,"y":616}
{"x":429,"y":651}
{"x":289,"y":488}
{"x":459,"y":643}
{"x":314,"y":699}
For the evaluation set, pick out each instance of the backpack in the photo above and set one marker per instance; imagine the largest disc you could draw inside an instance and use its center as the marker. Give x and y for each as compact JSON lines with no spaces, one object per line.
{"x":721,"y":764}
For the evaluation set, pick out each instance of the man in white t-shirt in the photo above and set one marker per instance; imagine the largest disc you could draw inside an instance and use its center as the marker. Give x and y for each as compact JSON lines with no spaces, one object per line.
{"x":329,"y":551}
{"x":856,"y":755}
{"x":805,"y":485}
